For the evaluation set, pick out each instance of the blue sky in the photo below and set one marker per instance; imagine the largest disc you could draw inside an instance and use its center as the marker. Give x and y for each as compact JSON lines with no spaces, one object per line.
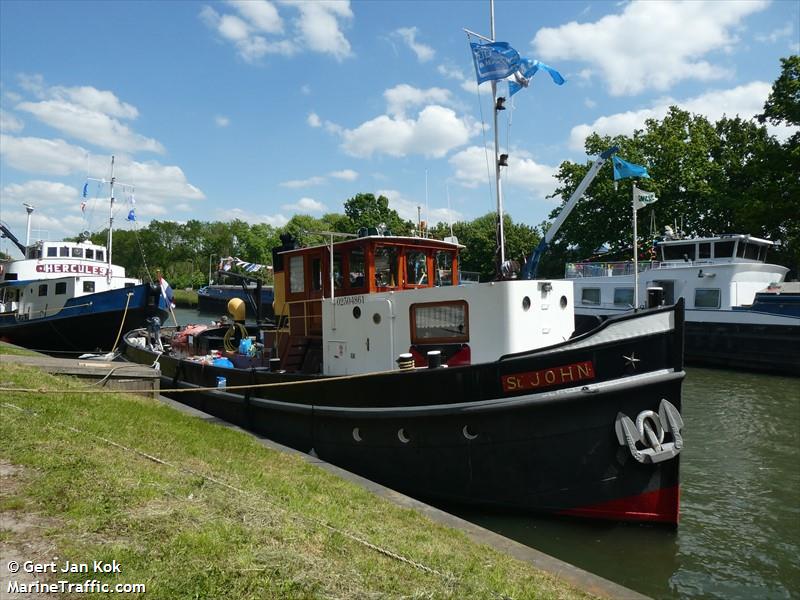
{"x":260,"y":110}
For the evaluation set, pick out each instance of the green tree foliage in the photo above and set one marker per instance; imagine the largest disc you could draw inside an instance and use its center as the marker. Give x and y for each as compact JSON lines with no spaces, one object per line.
{"x":365,"y":210}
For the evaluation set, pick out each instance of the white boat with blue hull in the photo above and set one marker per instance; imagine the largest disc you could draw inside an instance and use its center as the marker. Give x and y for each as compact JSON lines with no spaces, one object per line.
{"x":735,"y":314}
{"x":65,"y":297}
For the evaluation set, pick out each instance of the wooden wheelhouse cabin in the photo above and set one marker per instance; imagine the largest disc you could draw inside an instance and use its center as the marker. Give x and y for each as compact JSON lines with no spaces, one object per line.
{"x":363,"y":265}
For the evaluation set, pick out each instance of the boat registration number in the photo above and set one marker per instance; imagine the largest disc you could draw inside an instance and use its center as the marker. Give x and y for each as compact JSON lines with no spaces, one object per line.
{"x":548,"y":377}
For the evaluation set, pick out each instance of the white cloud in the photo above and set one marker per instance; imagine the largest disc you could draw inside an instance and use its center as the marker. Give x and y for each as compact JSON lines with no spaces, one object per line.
{"x":313,"y":120}
{"x":89,"y":125}
{"x":407,"y":209}
{"x":319,"y":26}
{"x":300,"y":183}
{"x":39,"y":155}
{"x":305,"y":205}
{"x":160,"y":183}
{"x":776,"y":34}
{"x":435,"y":132}
{"x":9,"y":123}
{"x":652,"y":44}
{"x":345,"y":174}
{"x":101,"y":101}
{"x":403,"y":96}
{"x":744,"y":100}
{"x":262,"y":15}
{"x":409,"y":36}
{"x":523,"y":172}
{"x":245,"y":33}
{"x":468,"y":84}
{"x":222,"y":121}
{"x":41,"y":194}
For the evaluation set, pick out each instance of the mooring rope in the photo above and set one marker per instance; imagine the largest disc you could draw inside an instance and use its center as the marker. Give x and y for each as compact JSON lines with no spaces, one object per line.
{"x":122,"y":324}
{"x":219,"y":482}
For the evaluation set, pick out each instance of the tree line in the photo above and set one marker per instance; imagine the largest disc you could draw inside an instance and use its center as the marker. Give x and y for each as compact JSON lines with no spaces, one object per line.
{"x":730,"y":176}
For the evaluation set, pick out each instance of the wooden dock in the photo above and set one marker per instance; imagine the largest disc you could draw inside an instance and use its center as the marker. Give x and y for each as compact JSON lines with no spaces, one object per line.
{"x":114,"y":375}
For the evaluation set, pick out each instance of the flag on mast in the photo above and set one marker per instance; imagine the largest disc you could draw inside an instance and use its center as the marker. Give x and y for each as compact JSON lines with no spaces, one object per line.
{"x":623,"y":169}
{"x":493,"y":61}
{"x":642,"y":198}
{"x":527,"y":69}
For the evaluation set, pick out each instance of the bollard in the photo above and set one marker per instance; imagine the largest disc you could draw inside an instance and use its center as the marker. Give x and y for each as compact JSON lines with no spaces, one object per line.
{"x":405,"y":361}
{"x":434,"y":359}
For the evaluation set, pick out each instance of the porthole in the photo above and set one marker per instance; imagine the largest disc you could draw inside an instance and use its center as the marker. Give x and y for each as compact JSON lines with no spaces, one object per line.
{"x":376,"y":318}
{"x":526,"y":303}
{"x":356,"y":312}
{"x":563,"y":302}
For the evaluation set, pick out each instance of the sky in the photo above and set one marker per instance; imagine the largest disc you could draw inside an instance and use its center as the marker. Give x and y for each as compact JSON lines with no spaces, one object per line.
{"x":259,"y":110}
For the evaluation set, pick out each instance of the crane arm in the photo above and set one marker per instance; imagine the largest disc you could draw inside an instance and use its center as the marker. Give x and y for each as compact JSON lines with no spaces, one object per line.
{"x":532,"y":265}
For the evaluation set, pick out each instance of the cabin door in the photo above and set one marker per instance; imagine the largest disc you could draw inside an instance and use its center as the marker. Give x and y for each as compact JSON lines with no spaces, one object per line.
{"x":669,"y":289}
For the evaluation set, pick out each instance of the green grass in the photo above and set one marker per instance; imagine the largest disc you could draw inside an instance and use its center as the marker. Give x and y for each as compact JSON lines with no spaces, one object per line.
{"x":15,"y":350}
{"x":185,"y":298}
{"x":284,"y":532}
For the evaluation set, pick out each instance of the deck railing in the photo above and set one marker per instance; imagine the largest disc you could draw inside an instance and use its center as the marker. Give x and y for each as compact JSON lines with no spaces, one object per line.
{"x":606,"y":269}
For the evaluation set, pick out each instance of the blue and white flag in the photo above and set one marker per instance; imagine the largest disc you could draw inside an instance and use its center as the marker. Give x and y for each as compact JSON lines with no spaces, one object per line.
{"x":527,"y":69}
{"x":624,"y":169}
{"x":85,"y":189}
{"x":131,"y":215}
{"x":496,"y":60}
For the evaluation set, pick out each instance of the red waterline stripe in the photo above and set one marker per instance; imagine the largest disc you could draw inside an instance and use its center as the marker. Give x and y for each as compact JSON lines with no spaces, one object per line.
{"x":659,"y":506}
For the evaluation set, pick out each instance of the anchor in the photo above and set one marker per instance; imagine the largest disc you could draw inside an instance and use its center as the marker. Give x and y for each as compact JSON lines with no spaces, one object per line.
{"x":649,"y":431}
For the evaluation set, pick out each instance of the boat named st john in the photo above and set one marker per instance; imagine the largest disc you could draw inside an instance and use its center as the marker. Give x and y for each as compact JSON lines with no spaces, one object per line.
{"x":489,"y":403}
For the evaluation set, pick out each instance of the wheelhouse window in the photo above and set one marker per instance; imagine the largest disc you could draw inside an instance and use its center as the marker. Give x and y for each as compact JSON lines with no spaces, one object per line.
{"x":386,"y":266}
{"x":678,"y":251}
{"x":623,"y":296}
{"x":590,"y":296}
{"x":89,"y":253}
{"x":723,"y":249}
{"x":704,"y":250}
{"x":52,"y":251}
{"x":443,"y":263}
{"x":88,"y":286}
{"x":99,"y":255}
{"x":706,"y":298}
{"x":63,"y":251}
{"x":440,"y":322}
{"x":337,"y":270}
{"x":43,"y":289}
{"x":77,"y":253}
{"x":416,"y":268}
{"x":316,"y":274}
{"x":357,"y":267}
{"x":296,"y":275}
{"x":747,"y":250}
{"x":61,"y":288}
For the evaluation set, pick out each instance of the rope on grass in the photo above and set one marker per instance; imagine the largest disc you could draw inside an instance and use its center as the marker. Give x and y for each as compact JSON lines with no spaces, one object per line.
{"x":188,"y":471}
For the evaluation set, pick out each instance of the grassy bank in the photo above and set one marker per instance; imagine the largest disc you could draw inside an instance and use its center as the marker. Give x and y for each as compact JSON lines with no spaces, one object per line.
{"x":185,"y":298}
{"x":196,"y":510}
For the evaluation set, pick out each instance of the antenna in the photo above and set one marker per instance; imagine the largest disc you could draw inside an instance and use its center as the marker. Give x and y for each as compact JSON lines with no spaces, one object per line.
{"x":30,"y":210}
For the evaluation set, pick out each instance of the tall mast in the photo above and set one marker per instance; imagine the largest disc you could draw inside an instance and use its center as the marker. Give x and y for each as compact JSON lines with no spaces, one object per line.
{"x":110,"y":219}
{"x":497,"y":162}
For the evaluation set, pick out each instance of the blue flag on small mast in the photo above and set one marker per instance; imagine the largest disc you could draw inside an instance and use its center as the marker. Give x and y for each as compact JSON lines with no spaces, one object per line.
{"x":527,"y":69}
{"x":85,"y":189}
{"x":132,"y":215}
{"x":496,"y":60}
{"x":624,"y":169}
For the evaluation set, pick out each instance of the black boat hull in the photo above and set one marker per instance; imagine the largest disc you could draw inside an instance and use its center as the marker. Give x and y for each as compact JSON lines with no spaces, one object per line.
{"x":532,"y":431}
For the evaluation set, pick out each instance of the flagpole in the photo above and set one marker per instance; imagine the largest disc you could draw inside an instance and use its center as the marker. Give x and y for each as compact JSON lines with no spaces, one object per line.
{"x":635,"y":251}
{"x":500,"y":233}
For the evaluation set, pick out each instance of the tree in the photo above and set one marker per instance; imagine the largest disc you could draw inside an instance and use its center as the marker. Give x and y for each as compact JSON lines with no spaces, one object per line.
{"x":365,"y":210}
